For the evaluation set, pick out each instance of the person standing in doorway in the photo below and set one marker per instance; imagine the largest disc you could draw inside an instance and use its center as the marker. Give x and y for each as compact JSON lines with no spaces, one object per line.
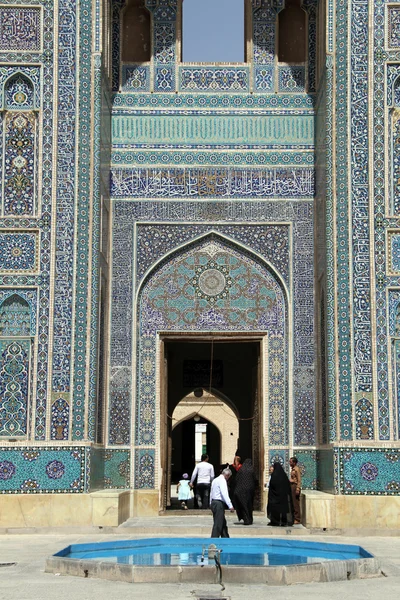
{"x":295,"y":484}
{"x":220,"y":501}
{"x":205,"y":474}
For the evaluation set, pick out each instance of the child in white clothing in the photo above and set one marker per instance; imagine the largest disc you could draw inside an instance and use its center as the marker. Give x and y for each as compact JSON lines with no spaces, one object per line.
{"x":183,"y":490}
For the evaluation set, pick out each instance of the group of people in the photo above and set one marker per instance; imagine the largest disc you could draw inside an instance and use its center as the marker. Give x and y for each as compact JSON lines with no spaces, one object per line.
{"x":234,"y":489}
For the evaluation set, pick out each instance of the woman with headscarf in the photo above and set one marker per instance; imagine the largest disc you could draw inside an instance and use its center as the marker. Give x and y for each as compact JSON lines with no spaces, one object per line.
{"x":243,"y":497}
{"x":280,"y":501}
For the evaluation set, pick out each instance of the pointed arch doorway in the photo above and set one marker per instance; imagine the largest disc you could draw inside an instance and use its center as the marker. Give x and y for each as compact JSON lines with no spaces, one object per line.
{"x":232,"y":424}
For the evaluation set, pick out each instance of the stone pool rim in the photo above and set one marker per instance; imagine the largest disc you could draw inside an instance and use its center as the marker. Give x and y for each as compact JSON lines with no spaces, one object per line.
{"x":330,"y":570}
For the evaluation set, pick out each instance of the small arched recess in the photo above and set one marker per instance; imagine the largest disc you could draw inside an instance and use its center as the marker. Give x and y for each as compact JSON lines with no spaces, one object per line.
{"x":15,"y":358}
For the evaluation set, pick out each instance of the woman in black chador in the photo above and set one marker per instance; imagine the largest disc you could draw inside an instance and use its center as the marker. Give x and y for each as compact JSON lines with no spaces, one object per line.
{"x":280,"y":501}
{"x":245,"y":485}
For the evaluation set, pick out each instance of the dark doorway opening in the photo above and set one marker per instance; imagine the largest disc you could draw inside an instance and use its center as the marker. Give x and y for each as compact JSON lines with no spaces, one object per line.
{"x":230,"y":368}
{"x":183,"y":446}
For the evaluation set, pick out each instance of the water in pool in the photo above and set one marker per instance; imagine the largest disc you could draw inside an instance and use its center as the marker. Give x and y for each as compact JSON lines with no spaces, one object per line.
{"x":194,"y":551}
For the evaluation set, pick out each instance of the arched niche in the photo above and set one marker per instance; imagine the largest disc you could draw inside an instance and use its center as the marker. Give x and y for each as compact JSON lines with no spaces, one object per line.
{"x":135,"y":33}
{"x":19,"y":93}
{"x":15,"y":317}
{"x":20,"y":141}
{"x":292,"y":33}
{"x":209,"y":285}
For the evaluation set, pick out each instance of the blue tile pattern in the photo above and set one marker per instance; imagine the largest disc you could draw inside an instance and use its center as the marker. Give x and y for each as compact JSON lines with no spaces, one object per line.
{"x":20,"y":28}
{"x":38,"y":470}
{"x":394,"y":27}
{"x":370,"y":471}
{"x":19,"y":172}
{"x":231,"y":183}
{"x":14,"y":385}
{"x":18,"y":251}
{"x":217,"y":161}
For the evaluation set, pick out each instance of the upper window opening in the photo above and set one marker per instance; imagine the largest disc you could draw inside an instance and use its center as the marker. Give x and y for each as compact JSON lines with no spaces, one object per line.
{"x":213,"y":31}
{"x":292,"y":33}
{"x":136,"y":46}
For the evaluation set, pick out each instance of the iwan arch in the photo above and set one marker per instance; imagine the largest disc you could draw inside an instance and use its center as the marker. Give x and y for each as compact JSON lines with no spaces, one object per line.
{"x":169,"y":226}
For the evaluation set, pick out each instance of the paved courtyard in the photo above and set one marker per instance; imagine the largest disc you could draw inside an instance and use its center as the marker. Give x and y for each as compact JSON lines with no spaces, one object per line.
{"x":26,"y":580}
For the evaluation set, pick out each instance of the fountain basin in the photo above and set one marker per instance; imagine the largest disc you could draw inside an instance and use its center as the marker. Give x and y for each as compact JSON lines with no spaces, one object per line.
{"x":243,"y":560}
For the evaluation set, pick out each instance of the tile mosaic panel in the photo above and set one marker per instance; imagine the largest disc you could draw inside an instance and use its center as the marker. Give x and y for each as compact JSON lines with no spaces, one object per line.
{"x":291,"y":79}
{"x":155,"y":129}
{"x":308,"y":467}
{"x":17,"y":78}
{"x":261,"y":238}
{"x":14,"y":387}
{"x":135,"y":78}
{"x":20,"y":28}
{"x":326,"y":470}
{"x":19,"y":167}
{"x":393,"y":27}
{"x":342,"y":283}
{"x":38,"y":470}
{"x":202,"y":101}
{"x":19,"y":93}
{"x":120,"y":407}
{"x":18,"y":312}
{"x":396,"y":382}
{"x":369,"y":471}
{"x":117,"y":468}
{"x":361,"y":248}
{"x":195,"y":79}
{"x":281,"y":456}
{"x":364,"y":414}
{"x":145,"y":460}
{"x":211,"y":286}
{"x":393,"y":251}
{"x":60,"y":416}
{"x":86,"y":217}
{"x":191,"y":182}
{"x":264,"y":30}
{"x":377,"y":94}
{"x":209,"y":158}
{"x":19,"y":251}
{"x":395,"y":158}
{"x":66,"y":176}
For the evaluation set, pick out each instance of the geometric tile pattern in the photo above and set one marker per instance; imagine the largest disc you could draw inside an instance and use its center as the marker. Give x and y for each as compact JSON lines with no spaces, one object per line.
{"x":309,"y":468}
{"x":369,"y":471}
{"x":37,"y":470}
{"x":18,"y":251}
{"x":17,"y":313}
{"x":19,"y":164}
{"x":116,"y":469}
{"x":249,"y":299}
{"x":14,"y":386}
{"x":393,"y":251}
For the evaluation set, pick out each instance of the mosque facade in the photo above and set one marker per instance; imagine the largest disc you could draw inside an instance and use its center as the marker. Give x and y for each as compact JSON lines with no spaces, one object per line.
{"x":222,"y":234}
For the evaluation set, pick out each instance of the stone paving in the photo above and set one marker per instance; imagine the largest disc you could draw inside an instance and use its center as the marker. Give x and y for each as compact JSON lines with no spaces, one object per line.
{"x":26,"y":579}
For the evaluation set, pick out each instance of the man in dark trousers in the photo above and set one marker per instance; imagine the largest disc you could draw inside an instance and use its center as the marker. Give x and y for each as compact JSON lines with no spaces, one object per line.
{"x":219,"y":502}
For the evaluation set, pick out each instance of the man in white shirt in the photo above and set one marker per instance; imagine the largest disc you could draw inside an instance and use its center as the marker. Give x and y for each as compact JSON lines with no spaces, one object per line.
{"x":205,"y":474}
{"x":219,"y":502}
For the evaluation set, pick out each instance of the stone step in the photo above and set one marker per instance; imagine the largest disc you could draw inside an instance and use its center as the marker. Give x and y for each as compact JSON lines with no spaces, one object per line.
{"x":195,"y":524}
